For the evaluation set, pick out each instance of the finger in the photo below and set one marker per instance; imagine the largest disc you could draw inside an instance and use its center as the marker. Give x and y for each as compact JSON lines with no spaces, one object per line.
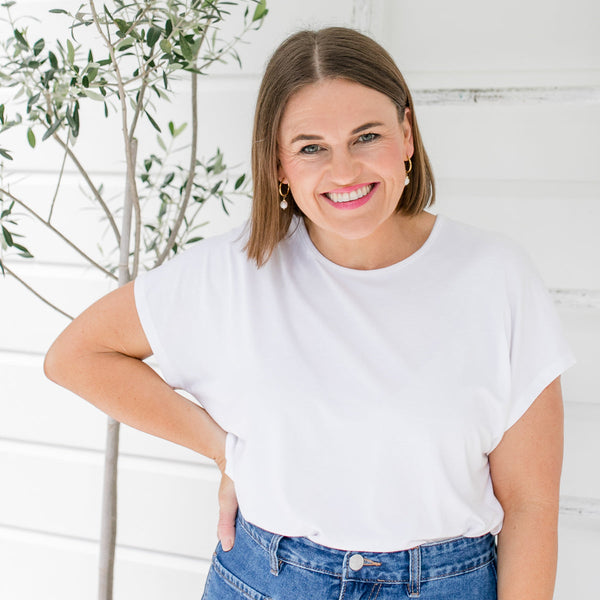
{"x":228,"y":507}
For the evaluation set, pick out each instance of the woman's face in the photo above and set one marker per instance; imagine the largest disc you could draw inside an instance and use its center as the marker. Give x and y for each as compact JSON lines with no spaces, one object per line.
{"x":341,"y":149}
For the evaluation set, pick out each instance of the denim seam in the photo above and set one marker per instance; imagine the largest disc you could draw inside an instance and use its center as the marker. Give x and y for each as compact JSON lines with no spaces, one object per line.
{"x":251,"y":534}
{"x":375,"y":587}
{"x":309,"y":568}
{"x":457,"y":573}
{"x":228,"y":578}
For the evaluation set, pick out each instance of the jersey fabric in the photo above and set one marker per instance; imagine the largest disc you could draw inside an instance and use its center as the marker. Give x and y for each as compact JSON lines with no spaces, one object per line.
{"x":360,"y":405}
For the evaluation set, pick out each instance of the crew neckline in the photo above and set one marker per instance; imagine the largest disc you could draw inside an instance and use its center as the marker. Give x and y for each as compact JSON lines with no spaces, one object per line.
{"x":302,"y":231}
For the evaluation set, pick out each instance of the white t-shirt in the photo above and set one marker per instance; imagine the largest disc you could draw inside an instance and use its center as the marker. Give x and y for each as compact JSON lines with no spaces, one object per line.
{"x":361,"y":405}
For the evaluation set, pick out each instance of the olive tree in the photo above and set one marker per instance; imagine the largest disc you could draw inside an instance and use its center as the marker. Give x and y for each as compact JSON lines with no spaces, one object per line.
{"x":122,"y":56}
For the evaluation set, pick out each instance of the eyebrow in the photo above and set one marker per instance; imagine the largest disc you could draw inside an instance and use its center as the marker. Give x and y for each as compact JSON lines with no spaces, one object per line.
{"x":309,"y":137}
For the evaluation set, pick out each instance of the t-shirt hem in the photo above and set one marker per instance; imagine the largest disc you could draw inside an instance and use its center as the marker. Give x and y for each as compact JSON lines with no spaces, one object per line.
{"x":537,"y":386}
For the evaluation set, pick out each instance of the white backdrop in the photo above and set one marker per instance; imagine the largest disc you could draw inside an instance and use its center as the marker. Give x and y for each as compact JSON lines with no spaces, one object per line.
{"x":508,"y":100}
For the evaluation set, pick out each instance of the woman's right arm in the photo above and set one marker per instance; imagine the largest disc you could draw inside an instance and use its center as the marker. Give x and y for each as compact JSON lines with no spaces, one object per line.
{"x":99,"y":356}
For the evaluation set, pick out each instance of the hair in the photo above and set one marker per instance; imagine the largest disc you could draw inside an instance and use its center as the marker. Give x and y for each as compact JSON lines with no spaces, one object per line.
{"x":304,"y":58}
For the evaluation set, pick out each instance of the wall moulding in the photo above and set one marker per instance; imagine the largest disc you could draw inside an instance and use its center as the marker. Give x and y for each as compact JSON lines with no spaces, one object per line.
{"x":516,"y":95}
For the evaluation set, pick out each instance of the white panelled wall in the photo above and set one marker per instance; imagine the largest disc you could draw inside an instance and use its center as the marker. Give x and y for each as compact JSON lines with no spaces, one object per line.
{"x":508,"y":100}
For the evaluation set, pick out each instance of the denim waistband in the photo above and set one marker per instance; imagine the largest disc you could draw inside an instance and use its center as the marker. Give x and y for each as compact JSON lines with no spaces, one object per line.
{"x":426,"y":562}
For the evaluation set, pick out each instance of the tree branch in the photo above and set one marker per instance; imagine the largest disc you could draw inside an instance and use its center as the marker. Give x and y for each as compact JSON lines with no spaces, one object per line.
{"x":60,"y":176}
{"x":191,"y":174}
{"x":35,"y":293}
{"x":128,"y":154}
{"x":58,"y":233}
{"x":92,"y":187}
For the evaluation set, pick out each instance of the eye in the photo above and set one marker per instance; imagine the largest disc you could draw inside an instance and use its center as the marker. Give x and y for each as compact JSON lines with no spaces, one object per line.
{"x":310,"y":149}
{"x":368,"y":137}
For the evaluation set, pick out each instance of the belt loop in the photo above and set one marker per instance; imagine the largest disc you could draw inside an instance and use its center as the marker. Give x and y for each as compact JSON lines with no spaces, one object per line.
{"x":414,"y":586}
{"x":273,"y":559}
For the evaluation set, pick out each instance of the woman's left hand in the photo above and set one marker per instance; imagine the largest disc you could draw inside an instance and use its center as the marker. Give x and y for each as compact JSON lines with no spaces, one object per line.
{"x":228,"y":506}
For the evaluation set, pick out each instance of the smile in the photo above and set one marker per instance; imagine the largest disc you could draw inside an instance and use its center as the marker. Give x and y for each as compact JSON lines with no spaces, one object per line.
{"x":354,"y":194}
{"x":351,"y":197}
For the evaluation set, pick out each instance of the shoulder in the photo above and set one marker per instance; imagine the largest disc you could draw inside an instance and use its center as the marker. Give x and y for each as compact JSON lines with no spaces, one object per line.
{"x":477,"y":246}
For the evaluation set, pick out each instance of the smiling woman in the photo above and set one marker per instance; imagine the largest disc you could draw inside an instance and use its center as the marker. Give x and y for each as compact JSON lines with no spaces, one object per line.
{"x":379,"y":386}
{"x":342,"y":149}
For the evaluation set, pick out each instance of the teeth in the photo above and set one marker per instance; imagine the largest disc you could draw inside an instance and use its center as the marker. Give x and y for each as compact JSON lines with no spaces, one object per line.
{"x":348,"y":196}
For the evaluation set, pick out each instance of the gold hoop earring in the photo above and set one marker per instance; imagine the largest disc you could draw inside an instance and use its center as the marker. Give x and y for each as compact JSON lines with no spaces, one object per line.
{"x":407,"y":178}
{"x":283,"y":204}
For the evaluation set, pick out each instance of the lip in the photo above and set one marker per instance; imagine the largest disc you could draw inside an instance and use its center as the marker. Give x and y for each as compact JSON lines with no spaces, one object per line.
{"x":351,"y":204}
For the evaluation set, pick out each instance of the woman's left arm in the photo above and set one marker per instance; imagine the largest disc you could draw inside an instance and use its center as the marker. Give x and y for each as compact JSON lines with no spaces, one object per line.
{"x":525,"y":469}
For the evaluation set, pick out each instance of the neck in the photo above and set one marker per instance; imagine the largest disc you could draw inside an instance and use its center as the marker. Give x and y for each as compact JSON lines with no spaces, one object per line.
{"x":394,"y":241}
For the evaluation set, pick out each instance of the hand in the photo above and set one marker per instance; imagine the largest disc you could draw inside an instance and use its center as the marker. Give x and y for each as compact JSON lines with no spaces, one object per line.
{"x":228,"y":506}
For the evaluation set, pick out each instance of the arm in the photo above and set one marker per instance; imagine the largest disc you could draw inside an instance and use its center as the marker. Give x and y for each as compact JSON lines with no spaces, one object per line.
{"x":525,"y":469}
{"x":99,"y":357}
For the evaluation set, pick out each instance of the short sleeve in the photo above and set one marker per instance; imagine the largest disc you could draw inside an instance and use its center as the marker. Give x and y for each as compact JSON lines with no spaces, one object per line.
{"x":539,"y":351}
{"x":167,"y":306}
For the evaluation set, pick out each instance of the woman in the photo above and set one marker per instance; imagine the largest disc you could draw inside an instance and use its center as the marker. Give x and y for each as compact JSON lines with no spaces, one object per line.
{"x":382,"y":385}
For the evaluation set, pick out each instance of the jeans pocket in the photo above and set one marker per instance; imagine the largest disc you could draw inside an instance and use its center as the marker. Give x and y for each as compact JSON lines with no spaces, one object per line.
{"x":222,"y":584}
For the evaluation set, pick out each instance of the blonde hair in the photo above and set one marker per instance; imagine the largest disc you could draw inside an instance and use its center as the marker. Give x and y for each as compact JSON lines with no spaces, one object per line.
{"x":302,"y":59}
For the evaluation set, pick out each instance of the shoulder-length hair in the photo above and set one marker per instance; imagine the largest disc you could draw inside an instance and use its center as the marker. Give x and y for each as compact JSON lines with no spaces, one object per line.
{"x":304,"y":58}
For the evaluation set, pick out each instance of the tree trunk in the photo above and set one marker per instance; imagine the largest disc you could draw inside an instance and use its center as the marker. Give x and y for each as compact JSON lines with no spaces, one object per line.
{"x":108,"y":527}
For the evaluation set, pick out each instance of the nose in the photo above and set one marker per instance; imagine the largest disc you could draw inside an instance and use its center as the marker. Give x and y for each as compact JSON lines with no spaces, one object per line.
{"x":343,"y":167}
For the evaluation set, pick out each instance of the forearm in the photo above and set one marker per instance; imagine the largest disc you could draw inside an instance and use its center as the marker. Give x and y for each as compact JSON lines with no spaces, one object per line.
{"x":527,"y":553}
{"x":133,"y":393}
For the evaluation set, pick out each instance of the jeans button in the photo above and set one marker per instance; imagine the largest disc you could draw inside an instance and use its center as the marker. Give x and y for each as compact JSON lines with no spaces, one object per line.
{"x":356,"y":562}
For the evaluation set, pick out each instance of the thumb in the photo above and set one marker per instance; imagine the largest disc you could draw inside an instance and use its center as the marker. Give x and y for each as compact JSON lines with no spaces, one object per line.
{"x":228,"y":507}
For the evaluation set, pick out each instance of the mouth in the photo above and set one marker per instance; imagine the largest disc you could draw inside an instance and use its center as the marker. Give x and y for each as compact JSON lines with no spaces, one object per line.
{"x":351,"y":197}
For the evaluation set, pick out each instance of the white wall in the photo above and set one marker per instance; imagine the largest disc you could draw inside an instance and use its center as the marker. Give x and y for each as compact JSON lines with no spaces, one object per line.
{"x":508,"y":99}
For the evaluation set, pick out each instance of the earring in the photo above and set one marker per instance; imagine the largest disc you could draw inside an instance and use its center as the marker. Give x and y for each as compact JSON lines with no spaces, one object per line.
{"x":283,"y":204}
{"x":407,"y":179}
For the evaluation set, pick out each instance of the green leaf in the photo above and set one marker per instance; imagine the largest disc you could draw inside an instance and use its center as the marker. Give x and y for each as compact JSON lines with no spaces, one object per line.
{"x":20,"y":39}
{"x":58,"y":11}
{"x":7,"y":236}
{"x":122,"y":25}
{"x":193,"y":240}
{"x":51,"y":129}
{"x":152,"y":122}
{"x":31,"y":102}
{"x":70,"y":52}
{"x":172,"y":128}
{"x":168,"y":179}
{"x":153,"y":36}
{"x":168,"y":28}
{"x":260,"y":11}
{"x":161,"y":143}
{"x":31,"y":137}
{"x":5,"y":154}
{"x":93,"y":95}
{"x":186,"y":49}
{"x":7,"y":211}
{"x":53,"y":60}
{"x":239,"y":181}
{"x":166,"y":46}
{"x":125,"y":44}
{"x":2,"y":114}
{"x":23,"y":251}
{"x":38,"y":46}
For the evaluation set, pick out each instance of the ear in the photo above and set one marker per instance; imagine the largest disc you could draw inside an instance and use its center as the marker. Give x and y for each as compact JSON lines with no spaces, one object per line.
{"x":409,"y":146}
{"x":281,"y":174}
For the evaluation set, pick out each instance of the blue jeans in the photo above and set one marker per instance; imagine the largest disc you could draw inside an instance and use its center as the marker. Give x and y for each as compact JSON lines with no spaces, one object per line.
{"x":266,"y":566}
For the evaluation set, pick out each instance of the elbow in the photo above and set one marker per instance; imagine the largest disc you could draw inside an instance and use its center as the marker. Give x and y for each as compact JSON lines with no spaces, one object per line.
{"x":58,"y":362}
{"x":52,"y":364}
